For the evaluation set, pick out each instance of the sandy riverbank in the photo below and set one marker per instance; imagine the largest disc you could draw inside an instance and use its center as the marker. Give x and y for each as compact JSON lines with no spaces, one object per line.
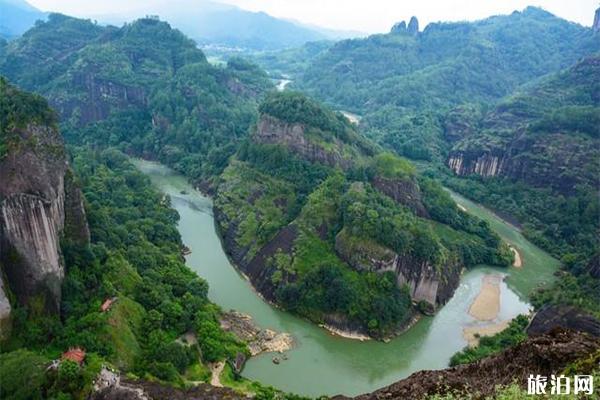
{"x":345,"y":334}
{"x":473,"y":333}
{"x":486,"y":305}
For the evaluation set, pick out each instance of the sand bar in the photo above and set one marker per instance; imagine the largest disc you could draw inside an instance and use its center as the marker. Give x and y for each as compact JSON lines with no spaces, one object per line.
{"x":486,"y":305}
{"x":470,"y":332}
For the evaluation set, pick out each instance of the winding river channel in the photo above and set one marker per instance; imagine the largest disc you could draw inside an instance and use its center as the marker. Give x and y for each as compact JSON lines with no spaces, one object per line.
{"x":322,"y":364}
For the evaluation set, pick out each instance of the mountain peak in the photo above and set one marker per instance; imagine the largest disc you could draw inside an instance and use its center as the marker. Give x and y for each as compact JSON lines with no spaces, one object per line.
{"x":412,"y":28}
{"x":596,"y":25}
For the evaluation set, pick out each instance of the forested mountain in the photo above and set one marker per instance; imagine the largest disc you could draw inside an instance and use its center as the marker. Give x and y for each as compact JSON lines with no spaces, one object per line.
{"x":535,"y":156}
{"x":471,"y":98}
{"x":403,"y":82}
{"x":547,"y":134}
{"x":144,"y":88}
{"x":329,"y":227}
{"x":17,"y":16}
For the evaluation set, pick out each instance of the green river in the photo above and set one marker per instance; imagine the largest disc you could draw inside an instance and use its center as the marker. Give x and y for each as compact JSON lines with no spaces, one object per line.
{"x":322,"y":364}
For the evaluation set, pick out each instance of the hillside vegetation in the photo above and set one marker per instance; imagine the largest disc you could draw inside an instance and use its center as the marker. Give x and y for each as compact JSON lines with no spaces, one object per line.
{"x":322,"y":236}
{"x":144,"y":88}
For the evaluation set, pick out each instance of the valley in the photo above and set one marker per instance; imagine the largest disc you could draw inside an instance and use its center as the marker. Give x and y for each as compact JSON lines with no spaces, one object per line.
{"x":200,"y":214}
{"x":331,"y":364}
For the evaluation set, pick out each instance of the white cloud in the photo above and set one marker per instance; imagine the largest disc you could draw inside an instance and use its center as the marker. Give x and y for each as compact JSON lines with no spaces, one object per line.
{"x":363,"y":15}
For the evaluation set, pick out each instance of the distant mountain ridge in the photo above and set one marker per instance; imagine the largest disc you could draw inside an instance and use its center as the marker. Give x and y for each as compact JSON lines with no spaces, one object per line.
{"x":226,"y":26}
{"x":16,"y":16}
{"x":391,"y":78}
{"x":207,"y":22}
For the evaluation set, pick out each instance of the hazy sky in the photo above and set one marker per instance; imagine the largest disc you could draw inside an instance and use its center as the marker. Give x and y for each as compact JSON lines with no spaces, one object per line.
{"x":363,"y":15}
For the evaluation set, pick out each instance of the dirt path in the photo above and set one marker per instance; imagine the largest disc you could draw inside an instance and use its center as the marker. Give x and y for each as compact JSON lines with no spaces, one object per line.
{"x":472,"y":334}
{"x":216,"y":370}
{"x":518,"y":260}
{"x":486,"y":305}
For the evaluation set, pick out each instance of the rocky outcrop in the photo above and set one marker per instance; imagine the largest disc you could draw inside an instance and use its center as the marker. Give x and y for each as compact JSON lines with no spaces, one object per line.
{"x":401,"y":27}
{"x":413,"y":26}
{"x":428,"y":283}
{"x":403,"y":191}
{"x":294,"y":137}
{"x":567,"y":317}
{"x":125,"y":389}
{"x":256,"y":268}
{"x":102,"y":96}
{"x":258,"y":340}
{"x":543,"y":161}
{"x":484,"y":164}
{"x":545,"y":355}
{"x":39,"y":202}
{"x":596,"y":24}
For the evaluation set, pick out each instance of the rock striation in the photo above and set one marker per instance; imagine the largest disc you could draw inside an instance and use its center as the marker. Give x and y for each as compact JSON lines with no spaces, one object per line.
{"x":426,"y":283}
{"x":39,"y":203}
{"x":294,"y":137}
{"x":543,"y":136}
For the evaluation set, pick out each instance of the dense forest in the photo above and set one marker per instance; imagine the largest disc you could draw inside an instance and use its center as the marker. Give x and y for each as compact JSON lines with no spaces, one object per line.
{"x":135,"y":257}
{"x":513,"y":98}
{"x":144,"y":88}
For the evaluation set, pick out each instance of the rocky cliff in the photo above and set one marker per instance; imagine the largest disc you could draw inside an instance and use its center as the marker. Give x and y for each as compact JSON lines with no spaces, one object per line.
{"x":403,"y":191}
{"x":296,"y":138}
{"x":546,"y":135}
{"x":596,"y":24}
{"x":39,"y":203}
{"x":426,"y":282}
{"x":551,"y":317}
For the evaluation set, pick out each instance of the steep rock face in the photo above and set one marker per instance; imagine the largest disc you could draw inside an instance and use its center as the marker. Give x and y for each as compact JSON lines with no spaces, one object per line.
{"x":596,"y":24}
{"x":33,"y":196}
{"x":256,"y":268}
{"x":101,"y":97}
{"x":484,"y":164}
{"x":426,"y":282}
{"x":270,"y":130}
{"x":403,"y":191}
{"x":545,"y":161}
{"x":551,"y":317}
{"x":546,"y":135}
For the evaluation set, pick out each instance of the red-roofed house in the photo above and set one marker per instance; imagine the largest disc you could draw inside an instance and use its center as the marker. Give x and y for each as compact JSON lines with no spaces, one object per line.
{"x":76,"y":354}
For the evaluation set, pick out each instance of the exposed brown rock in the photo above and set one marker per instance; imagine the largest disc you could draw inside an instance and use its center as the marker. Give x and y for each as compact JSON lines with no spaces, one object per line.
{"x":551,"y":317}
{"x":39,"y":202}
{"x":545,"y":355}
